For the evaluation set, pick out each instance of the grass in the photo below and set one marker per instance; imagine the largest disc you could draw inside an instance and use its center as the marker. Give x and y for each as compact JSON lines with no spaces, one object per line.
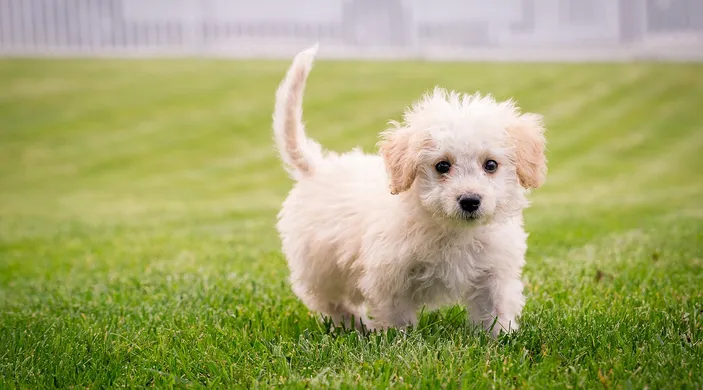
{"x":137,"y":242}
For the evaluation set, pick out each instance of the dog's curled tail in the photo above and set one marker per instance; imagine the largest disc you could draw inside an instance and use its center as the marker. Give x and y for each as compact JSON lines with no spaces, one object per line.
{"x":298,"y":153}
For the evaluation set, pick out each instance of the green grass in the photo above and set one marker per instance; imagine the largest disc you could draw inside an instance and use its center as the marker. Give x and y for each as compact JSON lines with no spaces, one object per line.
{"x":137,"y":241}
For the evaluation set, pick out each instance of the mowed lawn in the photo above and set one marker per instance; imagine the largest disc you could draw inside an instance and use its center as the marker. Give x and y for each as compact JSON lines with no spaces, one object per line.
{"x":137,"y":244}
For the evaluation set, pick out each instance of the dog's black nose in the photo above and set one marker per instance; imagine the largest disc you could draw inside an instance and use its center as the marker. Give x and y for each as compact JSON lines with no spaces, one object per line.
{"x":469,"y":203}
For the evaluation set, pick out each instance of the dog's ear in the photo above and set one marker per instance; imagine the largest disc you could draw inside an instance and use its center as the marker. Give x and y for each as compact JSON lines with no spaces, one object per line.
{"x":400,"y":148}
{"x":527,"y":135}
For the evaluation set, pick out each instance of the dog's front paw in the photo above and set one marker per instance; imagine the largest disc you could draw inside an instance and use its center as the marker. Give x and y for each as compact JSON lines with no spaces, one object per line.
{"x":389,"y":315}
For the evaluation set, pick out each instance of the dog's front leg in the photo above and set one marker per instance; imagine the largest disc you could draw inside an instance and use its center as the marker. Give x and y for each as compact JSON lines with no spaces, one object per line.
{"x":496,"y":304}
{"x":391,"y":313}
{"x":384,"y":307}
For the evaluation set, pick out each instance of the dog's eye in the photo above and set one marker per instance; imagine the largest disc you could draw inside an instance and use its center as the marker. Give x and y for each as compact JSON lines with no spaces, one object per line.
{"x":442,"y":167}
{"x":490,"y":166}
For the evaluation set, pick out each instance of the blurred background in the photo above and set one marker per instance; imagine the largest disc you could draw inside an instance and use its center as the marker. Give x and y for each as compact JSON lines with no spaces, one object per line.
{"x":122,"y":108}
{"x":435,"y":29}
{"x":139,"y":186}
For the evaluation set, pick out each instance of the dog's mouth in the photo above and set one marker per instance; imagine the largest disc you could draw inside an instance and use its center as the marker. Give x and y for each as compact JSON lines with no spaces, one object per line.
{"x":472,"y":216}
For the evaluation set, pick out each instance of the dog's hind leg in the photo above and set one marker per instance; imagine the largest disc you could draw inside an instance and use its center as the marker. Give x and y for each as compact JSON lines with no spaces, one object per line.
{"x":343,"y":316}
{"x":330,"y":304}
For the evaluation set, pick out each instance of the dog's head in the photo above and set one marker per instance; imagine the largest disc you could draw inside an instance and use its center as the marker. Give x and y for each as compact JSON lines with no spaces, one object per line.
{"x":466,"y":157}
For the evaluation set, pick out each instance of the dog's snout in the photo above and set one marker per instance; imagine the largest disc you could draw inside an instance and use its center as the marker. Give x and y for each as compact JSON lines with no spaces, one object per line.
{"x":470,"y":203}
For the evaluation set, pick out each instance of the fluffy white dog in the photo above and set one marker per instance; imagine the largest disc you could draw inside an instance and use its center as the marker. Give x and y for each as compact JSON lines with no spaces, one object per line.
{"x":449,"y":230}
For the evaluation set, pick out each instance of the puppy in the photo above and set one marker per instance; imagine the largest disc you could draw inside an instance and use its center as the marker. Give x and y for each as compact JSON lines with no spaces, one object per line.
{"x":435,"y":219}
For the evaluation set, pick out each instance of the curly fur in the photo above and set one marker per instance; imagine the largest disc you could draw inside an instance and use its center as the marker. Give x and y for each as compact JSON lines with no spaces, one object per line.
{"x":377,"y":237}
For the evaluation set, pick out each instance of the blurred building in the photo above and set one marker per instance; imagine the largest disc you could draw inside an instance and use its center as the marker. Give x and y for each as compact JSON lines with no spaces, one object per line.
{"x":355,"y":28}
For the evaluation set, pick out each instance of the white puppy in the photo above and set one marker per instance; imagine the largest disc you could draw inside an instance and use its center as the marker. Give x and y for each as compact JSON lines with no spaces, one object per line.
{"x":449,"y":229}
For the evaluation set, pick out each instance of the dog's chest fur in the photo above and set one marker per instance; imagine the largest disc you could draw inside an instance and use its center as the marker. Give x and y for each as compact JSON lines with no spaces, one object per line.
{"x":446,"y":271}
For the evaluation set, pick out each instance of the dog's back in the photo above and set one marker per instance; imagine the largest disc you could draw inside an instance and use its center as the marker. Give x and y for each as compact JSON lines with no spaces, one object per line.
{"x":325,"y":217}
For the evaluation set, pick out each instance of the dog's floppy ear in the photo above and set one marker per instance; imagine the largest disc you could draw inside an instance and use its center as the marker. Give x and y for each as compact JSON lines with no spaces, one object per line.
{"x":400,"y":148}
{"x":527,"y":136}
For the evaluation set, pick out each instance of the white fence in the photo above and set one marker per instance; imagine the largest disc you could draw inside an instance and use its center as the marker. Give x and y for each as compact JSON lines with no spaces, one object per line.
{"x":435,"y":29}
